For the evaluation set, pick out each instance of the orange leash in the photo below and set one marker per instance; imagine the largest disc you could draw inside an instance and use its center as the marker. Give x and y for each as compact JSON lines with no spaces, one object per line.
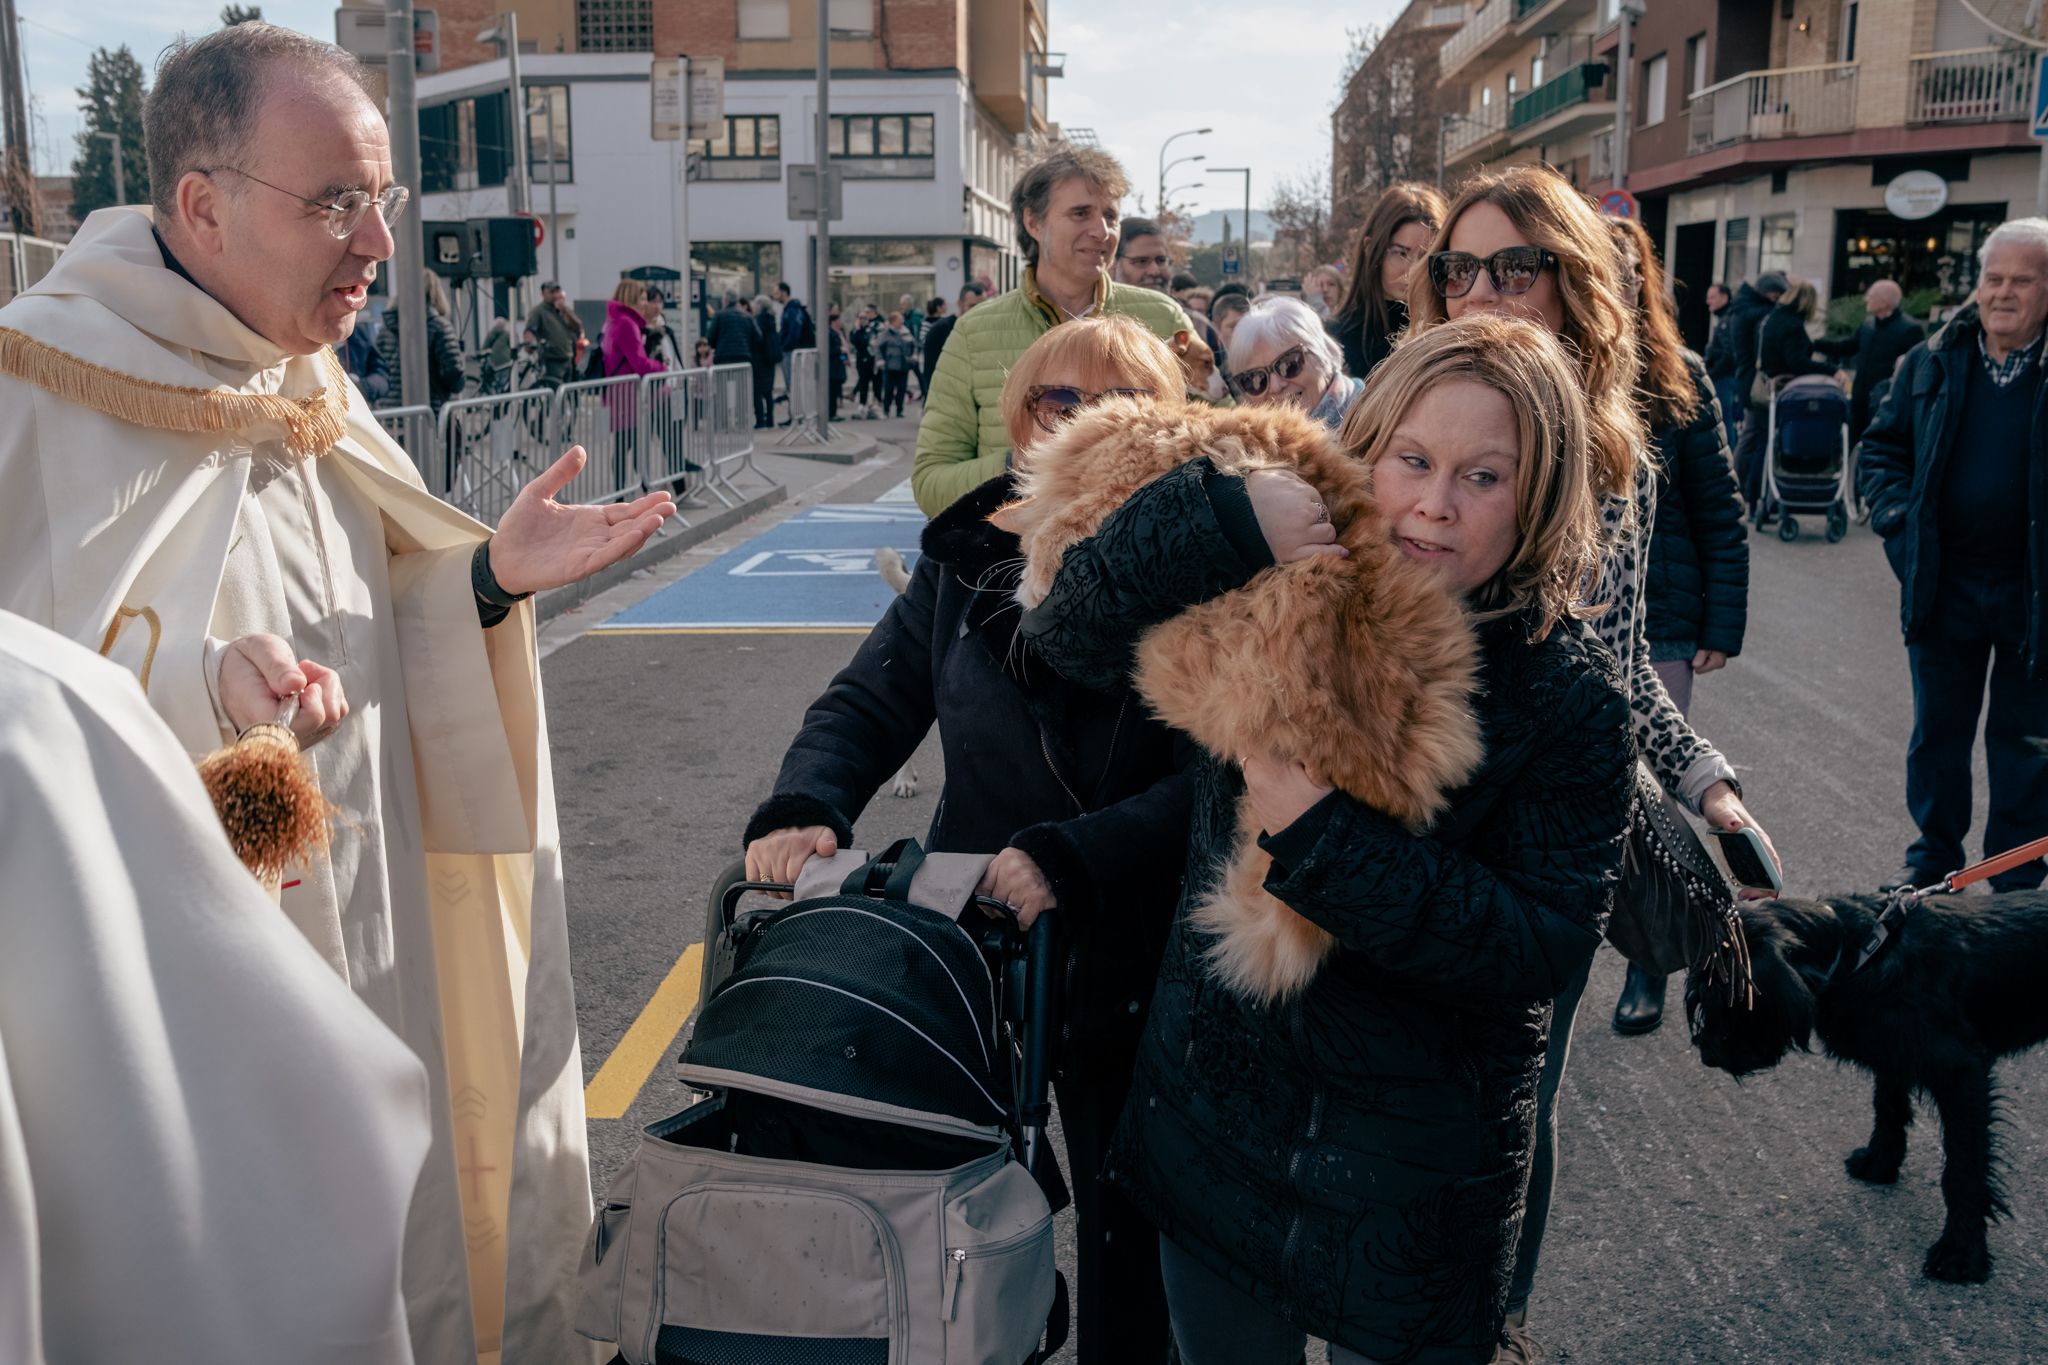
{"x":1991,"y":867}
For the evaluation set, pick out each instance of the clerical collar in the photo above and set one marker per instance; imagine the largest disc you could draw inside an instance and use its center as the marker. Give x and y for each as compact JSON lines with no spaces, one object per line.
{"x":172,"y":263}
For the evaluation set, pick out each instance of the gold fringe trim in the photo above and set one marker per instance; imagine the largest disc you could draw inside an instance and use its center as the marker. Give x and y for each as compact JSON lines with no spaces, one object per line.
{"x":311,"y":424}
{"x":156,"y":635}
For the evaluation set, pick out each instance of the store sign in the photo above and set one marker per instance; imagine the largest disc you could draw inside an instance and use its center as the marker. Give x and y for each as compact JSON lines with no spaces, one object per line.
{"x":665,"y":85}
{"x":1916,"y":194}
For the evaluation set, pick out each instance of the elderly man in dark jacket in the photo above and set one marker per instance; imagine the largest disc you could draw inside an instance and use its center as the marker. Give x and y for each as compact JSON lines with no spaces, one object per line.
{"x":1082,"y":784}
{"x":1886,"y":334}
{"x":1955,"y":470}
{"x":731,"y":334}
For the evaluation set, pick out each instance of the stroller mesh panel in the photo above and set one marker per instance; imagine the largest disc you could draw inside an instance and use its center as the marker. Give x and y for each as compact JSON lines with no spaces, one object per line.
{"x":696,"y":1346}
{"x":899,"y":1012}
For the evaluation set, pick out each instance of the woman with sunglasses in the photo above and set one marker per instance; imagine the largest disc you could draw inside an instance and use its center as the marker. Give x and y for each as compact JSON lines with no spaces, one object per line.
{"x":1385,"y":260}
{"x":1078,"y":788}
{"x":1524,"y":242}
{"x":1281,"y":353}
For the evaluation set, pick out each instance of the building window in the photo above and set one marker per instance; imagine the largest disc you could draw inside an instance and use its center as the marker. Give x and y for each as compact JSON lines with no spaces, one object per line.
{"x":1774,"y":250}
{"x":1735,"y":252}
{"x":539,"y":157}
{"x":885,"y":146}
{"x":1486,"y":97}
{"x":1536,"y":71}
{"x":764,"y":20}
{"x":1849,"y":15}
{"x":1511,"y":87}
{"x":851,"y":16}
{"x":1654,"y":91}
{"x":1696,"y":65}
{"x":750,"y":148}
{"x":466,"y":144}
{"x":1446,"y":14}
{"x":614,"y":25}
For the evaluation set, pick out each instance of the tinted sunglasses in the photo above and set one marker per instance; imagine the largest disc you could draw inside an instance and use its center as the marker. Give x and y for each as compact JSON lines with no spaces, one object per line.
{"x":1052,"y":404}
{"x":1251,"y":383}
{"x":1513,"y":270}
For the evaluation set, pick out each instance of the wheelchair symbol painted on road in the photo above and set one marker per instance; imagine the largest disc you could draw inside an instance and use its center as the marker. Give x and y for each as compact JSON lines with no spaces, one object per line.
{"x":808,"y":564}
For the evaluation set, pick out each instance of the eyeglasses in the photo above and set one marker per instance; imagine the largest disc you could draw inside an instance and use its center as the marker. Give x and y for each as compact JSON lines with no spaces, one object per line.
{"x":1052,"y":404}
{"x":345,"y":211}
{"x":1251,"y":383}
{"x":1512,"y":269}
{"x":1156,"y":262}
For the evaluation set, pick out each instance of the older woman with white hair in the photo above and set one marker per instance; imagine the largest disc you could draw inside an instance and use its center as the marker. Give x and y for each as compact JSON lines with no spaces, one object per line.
{"x":1281,"y":353}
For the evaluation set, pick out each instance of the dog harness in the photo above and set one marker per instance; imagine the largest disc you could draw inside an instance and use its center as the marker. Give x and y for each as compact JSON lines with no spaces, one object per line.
{"x":1906,"y":897}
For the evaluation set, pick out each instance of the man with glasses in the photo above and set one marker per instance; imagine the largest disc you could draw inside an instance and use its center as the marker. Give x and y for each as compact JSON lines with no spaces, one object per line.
{"x":190,"y":486}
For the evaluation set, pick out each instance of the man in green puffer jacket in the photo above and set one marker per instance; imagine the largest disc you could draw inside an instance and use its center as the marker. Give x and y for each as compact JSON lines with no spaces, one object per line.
{"x":1065,"y":206}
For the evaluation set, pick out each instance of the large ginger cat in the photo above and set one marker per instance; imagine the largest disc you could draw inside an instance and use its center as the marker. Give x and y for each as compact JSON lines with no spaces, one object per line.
{"x":1360,"y":667}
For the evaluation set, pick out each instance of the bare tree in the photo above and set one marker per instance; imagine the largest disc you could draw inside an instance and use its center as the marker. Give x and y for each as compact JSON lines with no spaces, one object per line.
{"x":1303,"y":233}
{"x":1387,"y":123}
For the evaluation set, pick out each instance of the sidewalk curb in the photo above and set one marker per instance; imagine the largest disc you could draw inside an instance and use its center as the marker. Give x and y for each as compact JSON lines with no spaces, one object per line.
{"x":853,"y":451}
{"x":704,"y":526}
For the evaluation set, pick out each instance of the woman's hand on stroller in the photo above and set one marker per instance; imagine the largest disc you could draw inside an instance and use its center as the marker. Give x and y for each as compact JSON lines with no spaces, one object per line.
{"x":780,"y":856}
{"x":1015,"y":880}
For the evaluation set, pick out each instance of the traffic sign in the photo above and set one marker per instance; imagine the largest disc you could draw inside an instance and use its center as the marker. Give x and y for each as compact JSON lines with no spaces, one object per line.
{"x":1618,"y":203}
{"x":540,"y":229}
{"x":665,"y":87}
{"x":1233,"y":259}
{"x":2040,"y":96}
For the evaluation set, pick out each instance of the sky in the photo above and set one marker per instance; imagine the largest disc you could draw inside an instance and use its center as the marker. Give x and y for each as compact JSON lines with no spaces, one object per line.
{"x":1137,"y":71}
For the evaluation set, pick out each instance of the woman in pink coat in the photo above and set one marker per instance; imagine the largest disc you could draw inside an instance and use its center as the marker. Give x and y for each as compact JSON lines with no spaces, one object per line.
{"x":624,"y":349}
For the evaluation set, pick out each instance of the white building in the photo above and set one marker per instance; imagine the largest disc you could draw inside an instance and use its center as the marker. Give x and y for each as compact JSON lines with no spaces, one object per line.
{"x":927,"y":177}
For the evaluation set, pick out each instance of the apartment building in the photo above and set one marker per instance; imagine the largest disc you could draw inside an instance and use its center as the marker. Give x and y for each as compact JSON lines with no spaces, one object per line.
{"x":1387,"y":122}
{"x":928,"y":107}
{"x":1528,"y":87}
{"x":1774,"y":135}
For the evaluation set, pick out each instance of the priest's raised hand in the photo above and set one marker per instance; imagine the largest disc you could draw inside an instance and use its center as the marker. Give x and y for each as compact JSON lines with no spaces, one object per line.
{"x":542,"y":544}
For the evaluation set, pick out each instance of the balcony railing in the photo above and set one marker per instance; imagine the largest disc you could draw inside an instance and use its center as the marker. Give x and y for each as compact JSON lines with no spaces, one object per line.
{"x":1463,"y":132}
{"x":1560,"y":92}
{"x":1756,"y":106}
{"x":1976,"y":85}
{"x":1487,"y":23}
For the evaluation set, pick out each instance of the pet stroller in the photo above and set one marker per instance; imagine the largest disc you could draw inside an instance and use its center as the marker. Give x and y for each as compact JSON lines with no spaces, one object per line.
{"x":1807,"y":467}
{"x":857,"y":1187}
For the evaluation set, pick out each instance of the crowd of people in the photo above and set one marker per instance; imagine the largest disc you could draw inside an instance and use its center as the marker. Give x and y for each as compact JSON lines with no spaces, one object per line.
{"x":189,"y":492}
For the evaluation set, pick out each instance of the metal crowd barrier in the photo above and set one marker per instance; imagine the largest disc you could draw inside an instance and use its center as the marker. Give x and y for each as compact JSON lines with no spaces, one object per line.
{"x":803,"y":397}
{"x":689,"y":431}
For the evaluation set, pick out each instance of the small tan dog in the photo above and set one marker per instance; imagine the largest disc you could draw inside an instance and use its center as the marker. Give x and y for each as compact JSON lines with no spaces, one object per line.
{"x":1198,"y":363}
{"x":896,"y":574}
{"x":1361,"y":667}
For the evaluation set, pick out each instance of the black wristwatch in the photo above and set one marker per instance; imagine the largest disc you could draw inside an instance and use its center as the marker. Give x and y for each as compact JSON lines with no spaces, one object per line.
{"x":493,"y":603}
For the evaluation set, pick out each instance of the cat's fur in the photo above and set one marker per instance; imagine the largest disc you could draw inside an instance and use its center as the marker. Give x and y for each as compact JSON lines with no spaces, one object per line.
{"x":1360,"y":667}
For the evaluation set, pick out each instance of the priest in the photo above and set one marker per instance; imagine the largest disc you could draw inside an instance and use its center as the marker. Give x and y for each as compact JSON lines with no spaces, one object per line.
{"x":190,"y":486}
{"x":207,"y":1144}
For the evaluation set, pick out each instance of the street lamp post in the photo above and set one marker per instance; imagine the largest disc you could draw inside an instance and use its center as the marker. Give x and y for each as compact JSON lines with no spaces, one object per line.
{"x":1246,"y":172}
{"x":505,"y":33}
{"x":1186,"y":132}
{"x":1160,"y":207}
{"x":1179,"y":189}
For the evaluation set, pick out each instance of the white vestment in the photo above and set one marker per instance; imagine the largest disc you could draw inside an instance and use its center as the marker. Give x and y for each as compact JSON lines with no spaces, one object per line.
{"x":207,"y":1145}
{"x":163,"y":506}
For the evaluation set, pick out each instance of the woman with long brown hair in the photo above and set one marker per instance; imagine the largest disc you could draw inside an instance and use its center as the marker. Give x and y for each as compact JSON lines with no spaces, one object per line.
{"x":1525,"y":241}
{"x":1384,"y":257}
{"x":1696,"y":597}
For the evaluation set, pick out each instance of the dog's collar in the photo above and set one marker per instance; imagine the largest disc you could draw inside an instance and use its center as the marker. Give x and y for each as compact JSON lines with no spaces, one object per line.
{"x":1882,"y":929}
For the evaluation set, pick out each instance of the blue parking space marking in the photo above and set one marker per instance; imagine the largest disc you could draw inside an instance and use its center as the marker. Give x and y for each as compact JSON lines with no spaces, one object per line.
{"x":816,"y":570}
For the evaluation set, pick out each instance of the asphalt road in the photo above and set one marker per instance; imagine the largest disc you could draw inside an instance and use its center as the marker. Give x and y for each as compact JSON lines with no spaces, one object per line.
{"x":1697,"y":1220}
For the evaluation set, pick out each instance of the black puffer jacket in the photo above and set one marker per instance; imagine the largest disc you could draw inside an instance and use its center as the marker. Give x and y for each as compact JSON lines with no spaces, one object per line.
{"x":1080,"y":779}
{"x":1697,"y":591}
{"x":1732,"y":352}
{"x":1786,"y":349}
{"x":1367,"y":340}
{"x":1356,"y":1159}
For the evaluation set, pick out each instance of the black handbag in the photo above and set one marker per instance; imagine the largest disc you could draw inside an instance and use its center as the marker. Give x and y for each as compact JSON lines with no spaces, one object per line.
{"x":1674,"y":909}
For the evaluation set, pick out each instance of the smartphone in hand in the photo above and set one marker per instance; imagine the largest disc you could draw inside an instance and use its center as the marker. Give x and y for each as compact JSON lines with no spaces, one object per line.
{"x":1749,"y":862}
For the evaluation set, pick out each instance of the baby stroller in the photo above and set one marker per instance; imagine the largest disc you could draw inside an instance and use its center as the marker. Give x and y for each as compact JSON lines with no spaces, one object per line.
{"x":857,"y":1188}
{"x":1806,"y":458}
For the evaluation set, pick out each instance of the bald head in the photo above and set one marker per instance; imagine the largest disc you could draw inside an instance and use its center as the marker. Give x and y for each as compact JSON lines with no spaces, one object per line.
{"x":1881,"y":300}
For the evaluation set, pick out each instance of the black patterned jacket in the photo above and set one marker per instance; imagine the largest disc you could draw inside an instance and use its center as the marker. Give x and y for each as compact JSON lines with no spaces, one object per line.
{"x":1357,"y":1159}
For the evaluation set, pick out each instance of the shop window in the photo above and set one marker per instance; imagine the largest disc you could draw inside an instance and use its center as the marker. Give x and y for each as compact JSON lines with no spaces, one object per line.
{"x":745,"y":268}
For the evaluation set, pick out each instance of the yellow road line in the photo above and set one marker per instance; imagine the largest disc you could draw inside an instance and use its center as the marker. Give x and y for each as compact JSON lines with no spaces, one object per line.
{"x":616,"y":1085}
{"x":601,"y":631}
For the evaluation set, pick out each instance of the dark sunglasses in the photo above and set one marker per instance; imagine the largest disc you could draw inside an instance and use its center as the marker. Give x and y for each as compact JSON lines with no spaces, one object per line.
{"x":1052,"y":404}
{"x":1252,"y":382}
{"x":1513,"y":270}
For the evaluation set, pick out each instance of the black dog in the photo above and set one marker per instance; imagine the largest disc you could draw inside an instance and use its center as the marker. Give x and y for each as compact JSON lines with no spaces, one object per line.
{"x":1963,"y":982}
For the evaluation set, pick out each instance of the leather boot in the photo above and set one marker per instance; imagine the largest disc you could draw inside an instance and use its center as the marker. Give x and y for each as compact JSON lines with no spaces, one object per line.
{"x":1641,"y":1007}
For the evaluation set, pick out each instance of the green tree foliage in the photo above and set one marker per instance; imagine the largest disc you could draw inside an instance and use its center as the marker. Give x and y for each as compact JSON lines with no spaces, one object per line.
{"x":112,"y":103}
{"x":230,"y":15}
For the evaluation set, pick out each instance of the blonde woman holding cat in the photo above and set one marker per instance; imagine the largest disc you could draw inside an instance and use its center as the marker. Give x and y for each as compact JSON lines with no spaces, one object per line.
{"x":1348,"y":1161}
{"x":1525,"y":243}
{"x":1076,"y":786}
